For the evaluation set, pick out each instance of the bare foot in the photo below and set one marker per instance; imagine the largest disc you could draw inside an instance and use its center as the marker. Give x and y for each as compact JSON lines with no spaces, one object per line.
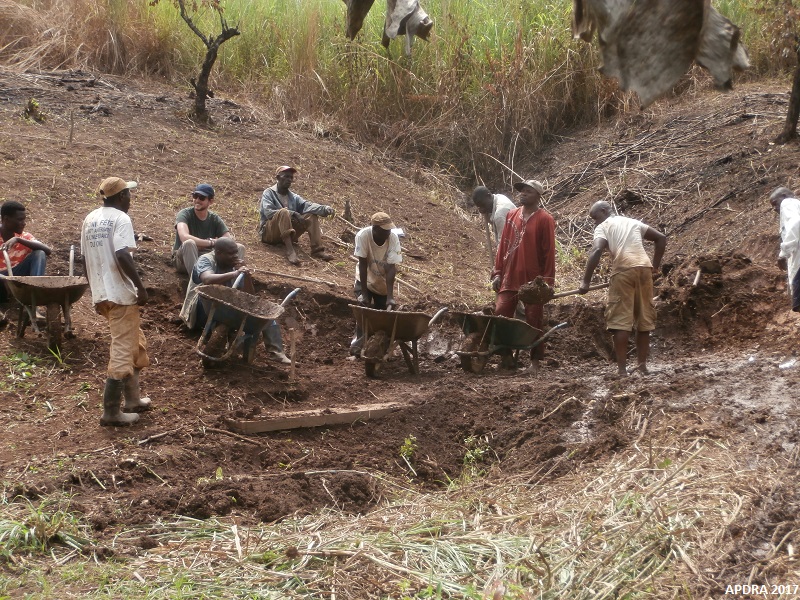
{"x":640,"y":368}
{"x":292,"y":258}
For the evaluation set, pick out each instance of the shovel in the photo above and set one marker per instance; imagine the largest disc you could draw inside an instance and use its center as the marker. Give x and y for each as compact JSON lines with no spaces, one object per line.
{"x":538,"y":292}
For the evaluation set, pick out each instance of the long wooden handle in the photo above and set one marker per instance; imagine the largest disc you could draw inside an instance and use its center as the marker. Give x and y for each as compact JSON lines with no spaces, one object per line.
{"x":599,"y":286}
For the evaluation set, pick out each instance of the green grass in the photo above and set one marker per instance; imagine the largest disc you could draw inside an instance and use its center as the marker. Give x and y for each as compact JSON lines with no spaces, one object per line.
{"x":495,"y":82}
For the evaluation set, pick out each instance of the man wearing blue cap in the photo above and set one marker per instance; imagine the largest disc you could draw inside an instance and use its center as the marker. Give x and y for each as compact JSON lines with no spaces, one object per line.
{"x":197,"y":228}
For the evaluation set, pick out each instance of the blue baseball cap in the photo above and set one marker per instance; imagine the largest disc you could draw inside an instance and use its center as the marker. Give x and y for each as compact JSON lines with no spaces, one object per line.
{"x":204,"y":189}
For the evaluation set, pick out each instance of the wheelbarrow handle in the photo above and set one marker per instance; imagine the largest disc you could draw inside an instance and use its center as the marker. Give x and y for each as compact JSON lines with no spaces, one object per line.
{"x":8,"y":263}
{"x":71,"y":260}
{"x":548,"y":333}
{"x":438,"y":314}
{"x":599,"y":286}
{"x":290,"y":296}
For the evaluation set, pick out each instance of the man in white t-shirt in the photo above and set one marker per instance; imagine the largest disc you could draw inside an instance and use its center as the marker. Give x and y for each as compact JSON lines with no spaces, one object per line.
{"x":494,"y":208}
{"x":378,"y":252}
{"x":107,"y":241}
{"x":630,"y":295}
{"x":785,"y":203}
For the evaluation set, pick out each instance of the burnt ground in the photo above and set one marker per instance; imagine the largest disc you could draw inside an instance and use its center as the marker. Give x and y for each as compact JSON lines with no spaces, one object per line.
{"x":723,"y":357}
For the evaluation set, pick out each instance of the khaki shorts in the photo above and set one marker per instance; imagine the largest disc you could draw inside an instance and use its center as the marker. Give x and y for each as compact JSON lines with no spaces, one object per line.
{"x":630,"y":300}
{"x":128,"y":346}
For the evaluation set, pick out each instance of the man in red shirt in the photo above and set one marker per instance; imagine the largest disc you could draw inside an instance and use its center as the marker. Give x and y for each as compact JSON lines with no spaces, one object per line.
{"x":27,"y":255}
{"x":527,"y":250}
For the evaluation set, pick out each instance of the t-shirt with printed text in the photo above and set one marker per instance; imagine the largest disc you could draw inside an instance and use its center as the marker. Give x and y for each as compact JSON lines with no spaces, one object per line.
{"x":106,"y":230}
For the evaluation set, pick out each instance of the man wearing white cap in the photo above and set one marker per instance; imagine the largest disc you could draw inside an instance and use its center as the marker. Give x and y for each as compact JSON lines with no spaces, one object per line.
{"x":527,"y":250}
{"x":378,"y":252}
{"x":107,"y":241}
{"x":285,"y":216}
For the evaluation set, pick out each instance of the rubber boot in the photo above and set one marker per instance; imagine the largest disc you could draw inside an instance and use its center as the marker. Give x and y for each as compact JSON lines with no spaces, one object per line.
{"x":133,"y":400}
{"x":112,"y":415}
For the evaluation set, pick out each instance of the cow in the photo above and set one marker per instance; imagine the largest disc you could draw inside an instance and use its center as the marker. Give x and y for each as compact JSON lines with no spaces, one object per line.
{"x":648,"y":45}
{"x":403,"y":17}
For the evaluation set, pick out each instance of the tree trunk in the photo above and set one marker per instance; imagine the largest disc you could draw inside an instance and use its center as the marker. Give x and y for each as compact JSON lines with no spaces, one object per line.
{"x":790,"y":128}
{"x":201,"y":86}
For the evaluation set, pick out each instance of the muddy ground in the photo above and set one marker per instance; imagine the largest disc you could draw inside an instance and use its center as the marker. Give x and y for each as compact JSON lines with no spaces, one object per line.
{"x":724,"y":360}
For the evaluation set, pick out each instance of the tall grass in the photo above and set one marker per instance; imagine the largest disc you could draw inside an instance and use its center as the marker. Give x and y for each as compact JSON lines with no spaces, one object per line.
{"x":497,"y":80}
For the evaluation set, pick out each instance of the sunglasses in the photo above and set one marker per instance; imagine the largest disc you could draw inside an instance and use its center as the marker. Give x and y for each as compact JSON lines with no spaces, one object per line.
{"x":195,"y":195}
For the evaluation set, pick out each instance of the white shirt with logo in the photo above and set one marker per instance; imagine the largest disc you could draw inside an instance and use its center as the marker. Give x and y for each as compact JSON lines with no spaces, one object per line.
{"x":106,"y":230}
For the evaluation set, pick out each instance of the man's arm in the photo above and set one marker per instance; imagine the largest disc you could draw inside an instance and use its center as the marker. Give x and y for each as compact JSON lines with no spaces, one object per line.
{"x":660,"y":240}
{"x":499,"y":259}
{"x":184,"y":236}
{"x":270,"y":204}
{"x":598,"y":247}
{"x":32,"y":244}
{"x":304,"y":207}
{"x":391,"y":272}
{"x":363,"y":264}
{"x":209,"y":277}
{"x":128,"y":267}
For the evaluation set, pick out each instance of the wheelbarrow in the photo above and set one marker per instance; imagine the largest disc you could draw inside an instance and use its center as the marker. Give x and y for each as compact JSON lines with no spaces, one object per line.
{"x":383,"y":329}
{"x":55,"y":293}
{"x":234,"y":310}
{"x":491,"y":334}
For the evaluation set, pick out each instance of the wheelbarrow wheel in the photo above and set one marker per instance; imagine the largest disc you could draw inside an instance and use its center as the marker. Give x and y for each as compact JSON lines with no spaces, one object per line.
{"x":473,"y":364}
{"x":372,"y":369}
{"x":55,"y":328}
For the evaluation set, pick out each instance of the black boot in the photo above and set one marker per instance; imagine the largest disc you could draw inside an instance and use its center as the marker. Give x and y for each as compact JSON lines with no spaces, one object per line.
{"x":112,"y":415}
{"x":133,"y":396}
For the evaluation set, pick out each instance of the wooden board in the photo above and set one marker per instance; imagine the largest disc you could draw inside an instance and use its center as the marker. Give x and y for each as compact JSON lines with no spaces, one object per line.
{"x":314,"y":418}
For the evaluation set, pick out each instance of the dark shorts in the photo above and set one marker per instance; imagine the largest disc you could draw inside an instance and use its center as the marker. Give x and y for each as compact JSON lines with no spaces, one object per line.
{"x":378,"y":301}
{"x":796,"y":292}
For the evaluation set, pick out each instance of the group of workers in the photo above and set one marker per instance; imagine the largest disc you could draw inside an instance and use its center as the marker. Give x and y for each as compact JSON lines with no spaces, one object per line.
{"x":205,"y":250}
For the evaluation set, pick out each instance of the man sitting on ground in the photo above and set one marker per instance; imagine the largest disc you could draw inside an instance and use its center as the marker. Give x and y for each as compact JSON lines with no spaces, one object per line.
{"x":28,"y":256}
{"x":197,"y":229}
{"x":378,"y":252}
{"x":223,"y":267}
{"x":285,"y":216}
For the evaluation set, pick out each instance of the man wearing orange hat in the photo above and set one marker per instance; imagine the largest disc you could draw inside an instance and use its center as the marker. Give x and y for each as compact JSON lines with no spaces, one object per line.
{"x":107,"y":241}
{"x":378,"y":252}
{"x":285,"y":216}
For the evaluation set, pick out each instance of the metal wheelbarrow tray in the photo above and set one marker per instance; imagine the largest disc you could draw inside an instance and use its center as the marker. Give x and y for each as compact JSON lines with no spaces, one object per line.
{"x":491,"y":334}
{"x":52,"y":292}
{"x":402,"y":328}
{"x":55,"y":293}
{"x":233,"y":310}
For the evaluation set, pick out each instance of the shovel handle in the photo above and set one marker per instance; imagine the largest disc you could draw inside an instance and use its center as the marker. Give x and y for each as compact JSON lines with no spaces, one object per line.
{"x":599,"y":286}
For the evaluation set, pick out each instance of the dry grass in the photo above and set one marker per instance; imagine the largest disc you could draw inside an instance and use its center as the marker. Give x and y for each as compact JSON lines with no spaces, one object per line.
{"x":654,"y":521}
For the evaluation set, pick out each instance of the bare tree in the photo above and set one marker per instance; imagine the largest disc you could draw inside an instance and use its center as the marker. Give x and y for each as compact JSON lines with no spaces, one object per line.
{"x":783,"y":30}
{"x":212,"y":44}
{"x":790,"y":127}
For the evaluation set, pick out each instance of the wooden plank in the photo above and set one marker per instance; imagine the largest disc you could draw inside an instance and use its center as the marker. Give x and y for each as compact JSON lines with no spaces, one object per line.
{"x":313,"y":418}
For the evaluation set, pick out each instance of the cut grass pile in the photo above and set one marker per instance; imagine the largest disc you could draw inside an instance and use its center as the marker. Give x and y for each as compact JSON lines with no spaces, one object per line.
{"x":652,"y":521}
